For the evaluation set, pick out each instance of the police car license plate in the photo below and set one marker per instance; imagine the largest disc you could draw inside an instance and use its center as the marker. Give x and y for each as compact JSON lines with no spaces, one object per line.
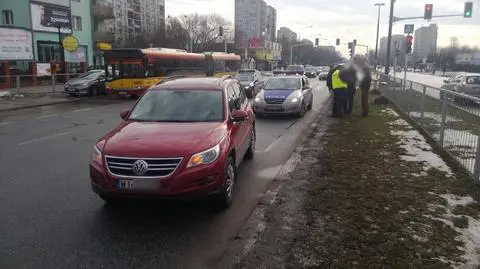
{"x":138,"y":184}
{"x":274,"y":108}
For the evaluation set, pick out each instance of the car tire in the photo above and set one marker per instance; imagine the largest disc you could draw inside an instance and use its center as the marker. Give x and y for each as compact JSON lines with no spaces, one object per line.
{"x":251,"y":147}
{"x":225,"y":198}
{"x":93,"y":91}
{"x":303,"y":110}
{"x":310,"y":104}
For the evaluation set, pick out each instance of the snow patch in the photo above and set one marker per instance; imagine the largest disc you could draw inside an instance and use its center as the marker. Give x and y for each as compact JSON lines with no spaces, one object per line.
{"x":434,"y":116}
{"x":390,"y":112}
{"x":399,"y":122}
{"x":418,"y":150}
{"x":470,"y":236}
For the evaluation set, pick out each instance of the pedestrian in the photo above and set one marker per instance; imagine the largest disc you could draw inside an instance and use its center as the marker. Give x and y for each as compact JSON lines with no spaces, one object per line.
{"x":364,"y":86}
{"x":333,"y":68}
{"x":351,"y":79}
{"x":339,"y":88}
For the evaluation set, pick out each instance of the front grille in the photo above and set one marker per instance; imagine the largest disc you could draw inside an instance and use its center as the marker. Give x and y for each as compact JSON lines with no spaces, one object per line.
{"x":274,"y":101}
{"x":157,"y":167}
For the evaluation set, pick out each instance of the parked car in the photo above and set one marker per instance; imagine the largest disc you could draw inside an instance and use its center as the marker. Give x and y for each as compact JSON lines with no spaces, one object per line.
{"x":252,"y":83}
{"x":90,"y":83}
{"x":284,"y":95}
{"x":184,"y":137}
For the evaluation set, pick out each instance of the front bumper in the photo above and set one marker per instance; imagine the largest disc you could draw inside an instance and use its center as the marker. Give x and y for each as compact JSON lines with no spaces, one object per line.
{"x":78,"y":90}
{"x":262,"y":108}
{"x":184,"y":182}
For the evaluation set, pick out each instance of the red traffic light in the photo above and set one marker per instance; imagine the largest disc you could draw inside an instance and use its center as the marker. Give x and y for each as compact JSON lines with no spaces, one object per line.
{"x":409,"y":39}
{"x":428,"y":6}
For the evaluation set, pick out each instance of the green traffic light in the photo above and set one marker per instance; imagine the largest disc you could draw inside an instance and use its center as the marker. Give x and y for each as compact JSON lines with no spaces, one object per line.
{"x":468,"y":14}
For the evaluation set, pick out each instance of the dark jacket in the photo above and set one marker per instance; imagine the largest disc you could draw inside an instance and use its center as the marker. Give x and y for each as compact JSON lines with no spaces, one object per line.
{"x":350,"y":77}
{"x":329,"y":77}
{"x":367,"y":79}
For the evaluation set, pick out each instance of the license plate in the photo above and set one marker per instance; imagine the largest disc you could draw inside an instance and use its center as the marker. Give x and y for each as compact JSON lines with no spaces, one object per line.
{"x":274,"y":108}
{"x":138,"y":184}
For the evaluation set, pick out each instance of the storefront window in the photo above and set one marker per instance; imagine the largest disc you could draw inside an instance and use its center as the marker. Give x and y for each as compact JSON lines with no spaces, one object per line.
{"x":48,"y":51}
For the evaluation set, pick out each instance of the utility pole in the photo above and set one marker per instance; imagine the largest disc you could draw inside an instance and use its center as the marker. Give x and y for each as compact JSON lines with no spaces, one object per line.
{"x":378,"y":32}
{"x":389,"y":41}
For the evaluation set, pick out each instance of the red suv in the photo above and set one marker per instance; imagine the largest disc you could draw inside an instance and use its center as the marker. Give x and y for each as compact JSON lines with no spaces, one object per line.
{"x":185,"y":136}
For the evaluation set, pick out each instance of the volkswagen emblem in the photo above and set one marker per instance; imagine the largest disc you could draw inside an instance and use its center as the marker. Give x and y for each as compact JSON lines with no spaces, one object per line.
{"x":140,"y":167}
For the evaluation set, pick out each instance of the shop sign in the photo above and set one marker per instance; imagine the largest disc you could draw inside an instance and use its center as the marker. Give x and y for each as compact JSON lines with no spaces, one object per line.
{"x":15,"y":44}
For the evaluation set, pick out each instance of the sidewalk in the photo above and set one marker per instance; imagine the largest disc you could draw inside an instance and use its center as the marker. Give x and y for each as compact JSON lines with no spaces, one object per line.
{"x":11,"y":101}
{"x":364,"y":193}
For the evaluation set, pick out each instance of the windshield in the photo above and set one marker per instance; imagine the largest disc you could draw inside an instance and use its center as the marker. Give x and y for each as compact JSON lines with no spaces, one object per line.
{"x":311,"y":69}
{"x":295,"y":68}
{"x":179,"y":106}
{"x":245,"y":77}
{"x":282,"y":84}
{"x":126,"y":70}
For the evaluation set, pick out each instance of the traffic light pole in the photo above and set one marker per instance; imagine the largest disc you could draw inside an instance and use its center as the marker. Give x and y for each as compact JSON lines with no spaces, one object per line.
{"x":389,"y":39}
{"x":405,"y":72}
{"x":395,"y":19}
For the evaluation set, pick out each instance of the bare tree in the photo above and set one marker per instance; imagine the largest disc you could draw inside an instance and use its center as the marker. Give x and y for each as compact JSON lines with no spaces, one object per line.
{"x":204,"y":30}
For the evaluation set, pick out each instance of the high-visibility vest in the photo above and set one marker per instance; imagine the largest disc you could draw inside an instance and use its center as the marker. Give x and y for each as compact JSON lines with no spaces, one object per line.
{"x":337,"y":82}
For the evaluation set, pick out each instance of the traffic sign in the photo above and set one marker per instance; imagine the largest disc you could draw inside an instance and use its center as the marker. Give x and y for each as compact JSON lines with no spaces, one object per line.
{"x":408,"y":28}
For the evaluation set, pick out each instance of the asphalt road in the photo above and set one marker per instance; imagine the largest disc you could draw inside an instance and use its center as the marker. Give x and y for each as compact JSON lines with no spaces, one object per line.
{"x":51,"y":219}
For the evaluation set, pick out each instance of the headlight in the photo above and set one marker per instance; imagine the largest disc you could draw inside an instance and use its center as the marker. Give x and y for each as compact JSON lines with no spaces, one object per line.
{"x":258,"y":99}
{"x":294,"y":100}
{"x":84,"y":84}
{"x":205,"y":157}
{"x":96,"y":155}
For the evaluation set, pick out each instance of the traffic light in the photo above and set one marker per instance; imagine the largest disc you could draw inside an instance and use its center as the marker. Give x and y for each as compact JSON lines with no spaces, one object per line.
{"x":316,"y":41}
{"x":220,"y":31}
{"x":428,"y":12}
{"x":351,"y":49}
{"x":467,"y":13}
{"x":338,"y":42}
{"x":409,"y":44}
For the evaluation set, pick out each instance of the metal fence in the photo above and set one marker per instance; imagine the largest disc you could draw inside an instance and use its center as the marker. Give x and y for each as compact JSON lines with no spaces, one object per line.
{"x":452,"y":119}
{"x":30,"y":84}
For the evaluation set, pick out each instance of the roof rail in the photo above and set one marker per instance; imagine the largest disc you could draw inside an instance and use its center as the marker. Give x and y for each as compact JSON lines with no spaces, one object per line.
{"x":170,"y":79}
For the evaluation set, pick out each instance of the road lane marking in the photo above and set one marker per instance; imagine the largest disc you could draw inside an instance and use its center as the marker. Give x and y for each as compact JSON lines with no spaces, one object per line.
{"x":82,"y":109}
{"x":44,"y":138}
{"x":47,"y":116}
{"x":5,"y":123}
{"x":273,"y":144}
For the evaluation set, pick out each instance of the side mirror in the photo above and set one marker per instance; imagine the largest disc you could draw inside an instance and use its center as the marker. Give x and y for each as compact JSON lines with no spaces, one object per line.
{"x":445,"y":81}
{"x":124,"y":114}
{"x":239,"y":115}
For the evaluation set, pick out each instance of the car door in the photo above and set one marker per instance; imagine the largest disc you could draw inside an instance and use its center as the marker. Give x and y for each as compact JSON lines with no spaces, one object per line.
{"x":245,"y":126}
{"x":306,"y":90}
{"x":236,"y":132}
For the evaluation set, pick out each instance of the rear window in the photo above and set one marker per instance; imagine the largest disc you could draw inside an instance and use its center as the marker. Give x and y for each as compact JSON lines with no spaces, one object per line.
{"x":473,"y":80}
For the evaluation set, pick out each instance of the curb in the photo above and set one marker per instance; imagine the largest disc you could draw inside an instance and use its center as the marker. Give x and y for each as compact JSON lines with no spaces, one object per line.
{"x":38,"y":105}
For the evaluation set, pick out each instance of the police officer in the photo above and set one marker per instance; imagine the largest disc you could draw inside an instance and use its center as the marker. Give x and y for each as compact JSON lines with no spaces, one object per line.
{"x":339,"y":89}
{"x":333,"y":68}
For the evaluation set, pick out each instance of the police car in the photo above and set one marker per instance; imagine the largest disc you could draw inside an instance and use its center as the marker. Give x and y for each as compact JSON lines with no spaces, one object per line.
{"x":284,"y":95}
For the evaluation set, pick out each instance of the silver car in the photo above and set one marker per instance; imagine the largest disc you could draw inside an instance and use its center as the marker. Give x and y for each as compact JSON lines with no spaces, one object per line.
{"x":466,"y":83}
{"x":284,"y":95}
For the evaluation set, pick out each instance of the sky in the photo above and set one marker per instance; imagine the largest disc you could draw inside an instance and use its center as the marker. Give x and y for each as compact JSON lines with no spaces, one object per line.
{"x":350,"y":19}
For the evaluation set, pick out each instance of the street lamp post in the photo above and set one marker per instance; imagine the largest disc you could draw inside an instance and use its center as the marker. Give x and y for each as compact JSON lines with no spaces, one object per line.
{"x":378,"y":32}
{"x":389,"y":39}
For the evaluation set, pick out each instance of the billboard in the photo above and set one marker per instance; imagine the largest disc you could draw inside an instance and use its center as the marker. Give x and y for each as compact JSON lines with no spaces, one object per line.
{"x":15,"y":44}
{"x":48,"y":18}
